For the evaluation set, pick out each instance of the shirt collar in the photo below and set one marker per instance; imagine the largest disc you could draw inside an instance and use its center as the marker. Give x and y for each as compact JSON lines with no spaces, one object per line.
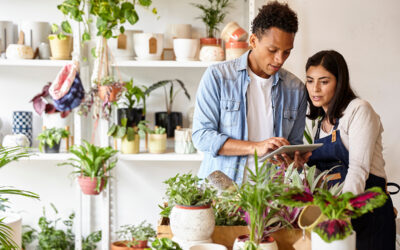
{"x":243,"y":64}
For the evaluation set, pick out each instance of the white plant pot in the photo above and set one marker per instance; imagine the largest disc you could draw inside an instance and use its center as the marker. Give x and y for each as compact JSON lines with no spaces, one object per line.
{"x":14,"y":221}
{"x":55,"y":121}
{"x":317,"y":243}
{"x":239,"y":244}
{"x":183,"y":141}
{"x":20,"y":140}
{"x":19,"y":51}
{"x":208,"y":246}
{"x":186,"y":49}
{"x":211,"y":53}
{"x":177,"y":31}
{"x":192,"y":225}
{"x":148,"y":46}
{"x":35,"y":33}
{"x":127,"y":53}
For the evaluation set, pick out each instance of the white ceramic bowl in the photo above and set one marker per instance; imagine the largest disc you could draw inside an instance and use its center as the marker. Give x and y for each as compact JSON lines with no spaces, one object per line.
{"x":148,"y":46}
{"x":208,"y":246}
{"x":19,"y":51}
{"x":186,"y":49}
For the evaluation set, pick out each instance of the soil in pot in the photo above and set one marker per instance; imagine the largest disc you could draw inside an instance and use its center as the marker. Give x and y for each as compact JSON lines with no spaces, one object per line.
{"x":169,"y":121}
{"x":54,"y":149}
{"x":133,"y":116}
{"x":88,"y":185}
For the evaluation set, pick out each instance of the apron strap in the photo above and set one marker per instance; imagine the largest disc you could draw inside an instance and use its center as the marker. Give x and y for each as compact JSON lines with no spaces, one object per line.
{"x":392,"y":184}
{"x":319,"y":127}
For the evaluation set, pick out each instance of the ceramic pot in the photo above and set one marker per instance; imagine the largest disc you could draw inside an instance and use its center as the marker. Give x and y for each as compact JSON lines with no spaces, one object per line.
{"x":267,"y":243}
{"x":19,"y":51}
{"x":183,"y":141}
{"x":211,"y":53}
{"x":121,"y":245}
{"x":60,"y":49}
{"x":348,"y":243}
{"x":130,"y":147}
{"x":44,"y":51}
{"x":6,"y":34}
{"x":35,"y":33}
{"x":148,"y":46}
{"x":177,"y":31}
{"x":22,"y":124}
{"x":88,"y":185}
{"x":125,"y":50}
{"x":14,"y":221}
{"x":232,"y":32}
{"x":56,"y":121}
{"x":54,"y":150}
{"x":186,"y":49}
{"x":235,"y":49}
{"x":157,"y":143}
{"x":133,"y":116}
{"x":109,"y":93}
{"x":192,"y":225}
{"x":208,"y":246}
{"x":309,"y":217}
{"x":169,"y":121}
{"x":20,"y":140}
{"x":210,"y":41}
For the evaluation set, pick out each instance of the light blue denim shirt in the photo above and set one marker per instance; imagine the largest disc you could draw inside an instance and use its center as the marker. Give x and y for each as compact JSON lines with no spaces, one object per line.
{"x":221,"y":113}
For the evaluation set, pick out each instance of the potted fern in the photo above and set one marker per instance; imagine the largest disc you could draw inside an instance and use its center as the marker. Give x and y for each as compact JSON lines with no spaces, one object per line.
{"x":134,"y":237}
{"x":92,"y":165}
{"x":168,"y":119}
{"x":50,"y":139}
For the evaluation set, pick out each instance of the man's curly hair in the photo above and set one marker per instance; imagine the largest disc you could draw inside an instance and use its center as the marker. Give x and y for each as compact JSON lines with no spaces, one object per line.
{"x":277,"y":15}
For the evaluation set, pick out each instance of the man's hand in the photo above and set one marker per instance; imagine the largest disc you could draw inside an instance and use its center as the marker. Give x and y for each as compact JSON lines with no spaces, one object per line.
{"x":299,"y":160}
{"x":270,"y":145}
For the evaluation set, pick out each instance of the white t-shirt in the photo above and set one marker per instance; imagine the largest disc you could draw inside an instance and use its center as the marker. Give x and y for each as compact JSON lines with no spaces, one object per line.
{"x":260,"y":119}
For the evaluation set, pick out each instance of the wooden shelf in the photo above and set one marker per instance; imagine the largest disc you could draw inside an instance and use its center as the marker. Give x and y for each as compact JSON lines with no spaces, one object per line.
{"x":34,"y":63}
{"x":164,"y":64}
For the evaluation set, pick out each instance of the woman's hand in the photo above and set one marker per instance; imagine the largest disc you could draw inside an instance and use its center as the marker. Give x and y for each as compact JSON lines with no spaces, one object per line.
{"x":299,"y":160}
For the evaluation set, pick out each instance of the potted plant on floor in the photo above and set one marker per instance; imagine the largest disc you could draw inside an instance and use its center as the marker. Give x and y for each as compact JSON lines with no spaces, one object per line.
{"x":335,"y":228}
{"x":133,"y":103}
{"x":134,"y":237}
{"x":191,"y":215}
{"x":50,"y":139}
{"x":130,"y":140}
{"x":92,"y":165}
{"x":169,"y":120}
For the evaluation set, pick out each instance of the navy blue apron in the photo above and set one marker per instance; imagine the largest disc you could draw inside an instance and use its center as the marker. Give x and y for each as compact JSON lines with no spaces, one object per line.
{"x":375,"y":230}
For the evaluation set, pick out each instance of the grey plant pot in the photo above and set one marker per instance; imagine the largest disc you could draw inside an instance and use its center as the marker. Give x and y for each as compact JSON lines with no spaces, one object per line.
{"x":54,"y":150}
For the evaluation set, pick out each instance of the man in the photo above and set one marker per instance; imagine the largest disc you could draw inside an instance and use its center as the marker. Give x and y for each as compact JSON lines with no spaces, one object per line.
{"x":251,"y":104}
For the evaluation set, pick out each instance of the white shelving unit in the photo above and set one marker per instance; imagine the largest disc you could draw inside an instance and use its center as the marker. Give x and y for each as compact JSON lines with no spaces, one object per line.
{"x":170,"y":155}
{"x":164,"y":64}
{"x":33,"y":63}
{"x":48,"y":157}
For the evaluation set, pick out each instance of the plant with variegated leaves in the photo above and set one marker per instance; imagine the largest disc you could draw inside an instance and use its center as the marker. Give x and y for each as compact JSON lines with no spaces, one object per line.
{"x":337,"y":208}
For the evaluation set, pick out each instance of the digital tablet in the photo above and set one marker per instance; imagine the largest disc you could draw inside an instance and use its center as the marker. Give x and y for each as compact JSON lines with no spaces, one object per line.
{"x":291,"y":149}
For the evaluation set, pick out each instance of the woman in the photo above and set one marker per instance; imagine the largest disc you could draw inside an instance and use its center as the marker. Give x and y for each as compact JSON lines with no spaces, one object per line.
{"x":351,"y":132}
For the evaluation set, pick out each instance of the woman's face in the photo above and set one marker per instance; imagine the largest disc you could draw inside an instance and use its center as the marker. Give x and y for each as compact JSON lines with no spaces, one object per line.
{"x":321,"y":86}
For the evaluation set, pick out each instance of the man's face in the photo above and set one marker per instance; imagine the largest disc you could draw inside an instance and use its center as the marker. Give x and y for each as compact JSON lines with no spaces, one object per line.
{"x":270,"y":52}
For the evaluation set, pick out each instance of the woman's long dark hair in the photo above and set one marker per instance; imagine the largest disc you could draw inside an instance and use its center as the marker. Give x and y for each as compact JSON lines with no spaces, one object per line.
{"x":333,"y":62}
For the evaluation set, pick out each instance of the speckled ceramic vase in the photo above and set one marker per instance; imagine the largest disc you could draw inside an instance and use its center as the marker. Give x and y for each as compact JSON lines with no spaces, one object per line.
{"x":192,"y":225}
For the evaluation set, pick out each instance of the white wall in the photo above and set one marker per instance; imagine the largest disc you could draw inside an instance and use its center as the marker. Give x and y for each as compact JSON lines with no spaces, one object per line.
{"x":365,"y":32}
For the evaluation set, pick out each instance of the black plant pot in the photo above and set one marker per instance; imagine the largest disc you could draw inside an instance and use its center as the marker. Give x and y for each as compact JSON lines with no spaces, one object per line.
{"x":54,"y":150}
{"x":169,"y":121}
{"x":134,"y":116}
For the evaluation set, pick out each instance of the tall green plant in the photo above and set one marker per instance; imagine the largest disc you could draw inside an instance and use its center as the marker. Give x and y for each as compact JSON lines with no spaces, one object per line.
{"x":133,"y":95}
{"x":109,"y":14}
{"x":170,"y":94}
{"x":92,"y":161}
{"x":213,"y":14}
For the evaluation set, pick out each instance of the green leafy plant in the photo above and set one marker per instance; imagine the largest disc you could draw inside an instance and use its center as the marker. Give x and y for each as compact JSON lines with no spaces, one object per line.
{"x":226,"y":213}
{"x":144,"y":129}
{"x":28,"y":235}
{"x":57,"y":32}
{"x":133,"y":95}
{"x":51,"y":137}
{"x":7,"y":155}
{"x":132,"y":234}
{"x":213,"y":14}
{"x":169,"y":98}
{"x":165,"y":244}
{"x":338,"y":209}
{"x":187,"y":190}
{"x":89,"y":243}
{"x":92,"y":161}
{"x":122,"y":131}
{"x":110,"y":15}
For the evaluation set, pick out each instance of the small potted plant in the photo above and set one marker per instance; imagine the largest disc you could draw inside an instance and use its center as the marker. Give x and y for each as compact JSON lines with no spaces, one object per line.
{"x":156,"y":139}
{"x":109,"y":89}
{"x":134,"y":237}
{"x":133,"y":98}
{"x":60,"y":44}
{"x":335,"y":231}
{"x":165,"y":244}
{"x":169,"y":120}
{"x":191,"y":215}
{"x":51,"y":139}
{"x":92,"y":166}
{"x":130,"y":140}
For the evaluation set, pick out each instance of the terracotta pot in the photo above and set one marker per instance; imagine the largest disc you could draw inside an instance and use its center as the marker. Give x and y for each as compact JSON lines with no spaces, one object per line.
{"x":130,"y":147}
{"x":235,"y":49}
{"x":121,"y":245}
{"x":192,"y":225}
{"x":232,"y":32}
{"x":60,"y":49}
{"x":109,"y":93}
{"x":157,"y":143}
{"x":210,"y":41}
{"x":88,"y":185}
{"x":267,"y":243}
